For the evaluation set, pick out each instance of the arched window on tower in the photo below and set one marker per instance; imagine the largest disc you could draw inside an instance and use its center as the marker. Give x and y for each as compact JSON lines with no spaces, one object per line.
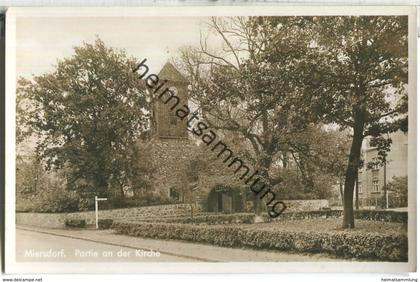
{"x":174,"y":90}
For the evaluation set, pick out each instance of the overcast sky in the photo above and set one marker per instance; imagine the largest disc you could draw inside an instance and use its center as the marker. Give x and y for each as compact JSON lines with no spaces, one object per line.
{"x":41,"y":41}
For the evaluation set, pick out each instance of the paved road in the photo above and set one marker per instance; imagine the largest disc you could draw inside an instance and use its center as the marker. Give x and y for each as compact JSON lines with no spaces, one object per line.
{"x":39,"y":247}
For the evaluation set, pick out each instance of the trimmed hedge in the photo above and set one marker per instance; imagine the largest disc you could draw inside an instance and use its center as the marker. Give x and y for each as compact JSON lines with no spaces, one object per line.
{"x":376,"y":215}
{"x":340,"y":243}
{"x":382,"y":215}
{"x":105,"y":223}
{"x":174,"y":217}
{"x":304,"y":215}
{"x":216,"y":219}
{"x":75,"y":223}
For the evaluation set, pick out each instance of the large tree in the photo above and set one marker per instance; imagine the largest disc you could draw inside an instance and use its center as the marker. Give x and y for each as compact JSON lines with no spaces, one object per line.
{"x":242,"y":90}
{"x":354,"y":71}
{"x":275,"y":76}
{"x":87,"y":114}
{"x":359,"y":78}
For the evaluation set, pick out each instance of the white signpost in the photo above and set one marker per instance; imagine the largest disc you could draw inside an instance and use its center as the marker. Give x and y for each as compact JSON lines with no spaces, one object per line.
{"x":96,"y":209}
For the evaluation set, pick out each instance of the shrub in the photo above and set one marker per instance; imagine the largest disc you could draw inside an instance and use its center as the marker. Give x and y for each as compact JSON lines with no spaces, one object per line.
{"x":53,"y":200}
{"x":215,"y":219}
{"x":377,"y":215}
{"x":399,"y":188}
{"x":40,"y":191}
{"x":295,"y":188}
{"x":59,"y":201}
{"x":304,"y":215}
{"x":123,"y":202}
{"x":75,"y":223}
{"x":382,"y":215}
{"x":211,"y":218}
{"x":105,"y":223}
{"x":390,"y":247}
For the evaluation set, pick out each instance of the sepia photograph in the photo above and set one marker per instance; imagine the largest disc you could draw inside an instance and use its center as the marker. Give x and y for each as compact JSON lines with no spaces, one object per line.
{"x":195,"y":138}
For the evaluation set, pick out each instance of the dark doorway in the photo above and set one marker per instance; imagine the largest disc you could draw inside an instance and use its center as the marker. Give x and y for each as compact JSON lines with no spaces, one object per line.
{"x":219,"y":201}
{"x":225,"y":199}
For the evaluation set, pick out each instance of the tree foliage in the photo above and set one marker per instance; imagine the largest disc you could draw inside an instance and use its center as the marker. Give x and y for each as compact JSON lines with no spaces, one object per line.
{"x":87,"y":114}
{"x":360,"y":81}
{"x":277,"y":77}
{"x":40,"y":191}
{"x":253,"y":90}
{"x":399,"y":186}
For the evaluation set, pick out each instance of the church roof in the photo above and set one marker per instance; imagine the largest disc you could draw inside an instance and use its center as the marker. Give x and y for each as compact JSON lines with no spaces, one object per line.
{"x":170,"y":73}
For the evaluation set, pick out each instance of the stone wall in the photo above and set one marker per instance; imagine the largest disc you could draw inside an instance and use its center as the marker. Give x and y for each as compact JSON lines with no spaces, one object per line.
{"x":305,"y":205}
{"x":57,"y":220}
{"x":171,"y":157}
{"x":48,"y":220}
{"x":297,"y":205}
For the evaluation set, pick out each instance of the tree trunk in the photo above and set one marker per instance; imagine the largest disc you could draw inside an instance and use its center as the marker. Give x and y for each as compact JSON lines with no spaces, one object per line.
{"x":352,"y":169}
{"x":122,"y":191}
{"x":357,"y":190}
{"x":263,"y":166}
{"x":264,"y":162}
{"x":341,"y":191}
{"x":284,"y":159}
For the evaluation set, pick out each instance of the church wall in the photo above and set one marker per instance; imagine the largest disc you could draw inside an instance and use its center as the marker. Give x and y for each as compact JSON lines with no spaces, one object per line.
{"x":171,"y":156}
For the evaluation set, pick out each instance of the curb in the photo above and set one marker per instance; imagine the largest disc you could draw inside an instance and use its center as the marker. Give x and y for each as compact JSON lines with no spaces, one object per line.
{"x":27,"y":228}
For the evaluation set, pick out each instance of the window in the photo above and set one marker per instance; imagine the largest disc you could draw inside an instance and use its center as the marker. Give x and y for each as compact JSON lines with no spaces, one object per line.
{"x":375,"y":185}
{"x":174,"y":90}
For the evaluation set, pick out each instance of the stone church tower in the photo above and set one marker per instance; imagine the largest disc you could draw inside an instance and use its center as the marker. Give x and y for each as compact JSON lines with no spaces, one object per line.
{"x":168,"y":125}
{"x":171,"y":145}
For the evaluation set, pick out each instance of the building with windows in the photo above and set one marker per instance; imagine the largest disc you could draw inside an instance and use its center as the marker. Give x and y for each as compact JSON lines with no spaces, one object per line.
{"x":371,"y":179}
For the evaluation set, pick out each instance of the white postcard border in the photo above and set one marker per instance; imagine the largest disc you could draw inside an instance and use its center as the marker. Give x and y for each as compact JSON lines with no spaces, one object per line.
{"x":234,"y":267}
